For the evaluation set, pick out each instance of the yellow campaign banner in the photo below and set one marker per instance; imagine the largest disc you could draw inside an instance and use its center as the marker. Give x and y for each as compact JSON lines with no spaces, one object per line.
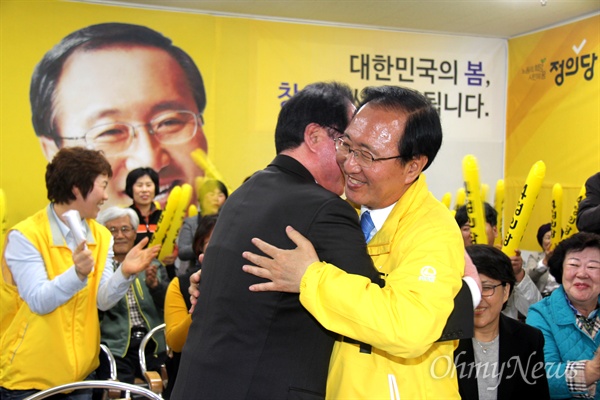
{"x":553,"y":114}
{"x":86,"y":90}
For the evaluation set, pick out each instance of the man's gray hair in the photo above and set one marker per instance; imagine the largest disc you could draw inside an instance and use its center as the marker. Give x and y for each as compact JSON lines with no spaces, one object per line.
{"x":117,"y":212}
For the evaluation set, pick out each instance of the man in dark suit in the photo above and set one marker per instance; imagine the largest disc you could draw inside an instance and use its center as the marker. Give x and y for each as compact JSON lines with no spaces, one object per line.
{"x":267,"y":346}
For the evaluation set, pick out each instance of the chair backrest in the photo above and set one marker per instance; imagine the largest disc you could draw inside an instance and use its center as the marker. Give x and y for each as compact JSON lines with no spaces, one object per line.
{"x":120,"y":386}
{"x":142,"y":350}
{"x":155,"y":381}
{"x":111,"y":361}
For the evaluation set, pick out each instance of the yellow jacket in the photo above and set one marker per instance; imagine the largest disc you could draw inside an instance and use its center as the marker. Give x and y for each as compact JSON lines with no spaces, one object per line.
{"x":42,"y":351}
{"x":421,"y":254}
{"x":177,"y":317}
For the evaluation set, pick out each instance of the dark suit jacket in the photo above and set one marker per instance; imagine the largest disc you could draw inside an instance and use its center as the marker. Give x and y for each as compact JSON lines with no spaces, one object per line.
{"x":245,"y":345}
{"x":588,"y":213}
{"x":460,"y":322}
{"x":517,"y":342}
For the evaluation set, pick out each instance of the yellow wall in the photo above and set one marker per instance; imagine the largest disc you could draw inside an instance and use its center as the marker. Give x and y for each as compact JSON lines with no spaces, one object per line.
{"x":559,"y":124}
{"x":244,"y":63}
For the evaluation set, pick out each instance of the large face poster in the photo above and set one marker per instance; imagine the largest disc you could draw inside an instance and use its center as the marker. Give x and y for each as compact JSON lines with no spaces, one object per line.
{"x":144,"y":103}
{"x":81,"y":76}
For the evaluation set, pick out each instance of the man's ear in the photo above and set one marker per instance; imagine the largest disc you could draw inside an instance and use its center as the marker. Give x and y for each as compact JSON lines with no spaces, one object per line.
{"x":312,"y":135}
{"x":414,"y":168}
{"x":49,"y":147}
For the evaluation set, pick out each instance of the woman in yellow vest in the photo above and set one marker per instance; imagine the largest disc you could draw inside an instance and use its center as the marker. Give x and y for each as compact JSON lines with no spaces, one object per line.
{"x":54,"y":278}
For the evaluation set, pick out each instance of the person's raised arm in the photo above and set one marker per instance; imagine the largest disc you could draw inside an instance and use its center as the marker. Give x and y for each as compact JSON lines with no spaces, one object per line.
{"x":138,"y":258}
{"x":113,"y":286}
{"x":26,"y":265}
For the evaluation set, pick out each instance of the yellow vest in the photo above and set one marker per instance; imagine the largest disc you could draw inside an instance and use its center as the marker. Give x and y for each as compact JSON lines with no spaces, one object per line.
{"x":42,"y":351}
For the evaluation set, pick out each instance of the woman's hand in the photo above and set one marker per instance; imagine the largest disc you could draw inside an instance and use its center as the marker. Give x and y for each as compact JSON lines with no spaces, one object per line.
{"x":592,"y":369}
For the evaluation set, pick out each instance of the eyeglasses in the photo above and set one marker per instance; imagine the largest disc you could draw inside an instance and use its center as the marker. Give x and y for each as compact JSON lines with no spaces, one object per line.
{"x":363,"y":158}
{"x":488,"y":291}
{"x":125,"y":230}
{"x":335,"y":129}
{"x":172,"y":127}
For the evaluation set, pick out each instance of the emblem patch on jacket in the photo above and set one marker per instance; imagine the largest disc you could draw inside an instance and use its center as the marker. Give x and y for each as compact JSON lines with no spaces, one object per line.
{"x":428,"y":274}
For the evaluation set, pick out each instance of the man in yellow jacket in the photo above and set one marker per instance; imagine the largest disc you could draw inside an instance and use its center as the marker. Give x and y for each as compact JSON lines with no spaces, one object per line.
{"x":388,"y":347}
{"x":56,"y":273}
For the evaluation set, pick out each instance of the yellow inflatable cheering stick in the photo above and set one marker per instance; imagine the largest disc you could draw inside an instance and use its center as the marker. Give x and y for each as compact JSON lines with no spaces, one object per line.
{"x":527,"y":199}
{"x":485,"y":188}
{"x":447,"y":199}
{"x":571,"y":227}
{"x":158,"y":237}
{"x":460,"y":198}
{"x":210,"y":171}
{"x":2,"y":219}
{"x":556,"y":220}
{"x":178,"y":216}
{"x":192,"y":210}
{"x":499,"y":207}
{"x":474,"y":203}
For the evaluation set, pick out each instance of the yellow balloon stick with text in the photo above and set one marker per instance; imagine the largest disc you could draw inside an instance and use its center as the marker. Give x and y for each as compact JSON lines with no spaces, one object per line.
{"x":499,"y":207}
{"x":556,"y":218}
{"x":2,"y":219}
{"x":165,"y":217}
{"x":447,"y":199}
{"x":210,"y":171}
{"x":525,"y":204}
{"x":168,"y":246}
{"x":460,"y":198}
{"x":571,"y":227}
{"x":474,"y":203}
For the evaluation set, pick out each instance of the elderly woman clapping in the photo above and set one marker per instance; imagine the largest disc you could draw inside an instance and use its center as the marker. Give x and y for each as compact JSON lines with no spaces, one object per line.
{"x":569,"y":318}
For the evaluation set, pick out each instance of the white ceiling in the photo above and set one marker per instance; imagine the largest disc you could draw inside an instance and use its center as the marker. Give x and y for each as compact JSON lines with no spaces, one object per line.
{"x":486,"y":18}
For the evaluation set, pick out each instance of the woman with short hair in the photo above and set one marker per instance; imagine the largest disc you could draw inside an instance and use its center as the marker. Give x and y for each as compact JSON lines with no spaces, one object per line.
{"x":569,"y":318}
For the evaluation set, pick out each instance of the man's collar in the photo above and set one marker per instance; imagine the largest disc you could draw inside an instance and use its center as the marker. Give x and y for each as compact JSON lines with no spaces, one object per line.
{"x":379,"y":216}
{"x":292,"y":165}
